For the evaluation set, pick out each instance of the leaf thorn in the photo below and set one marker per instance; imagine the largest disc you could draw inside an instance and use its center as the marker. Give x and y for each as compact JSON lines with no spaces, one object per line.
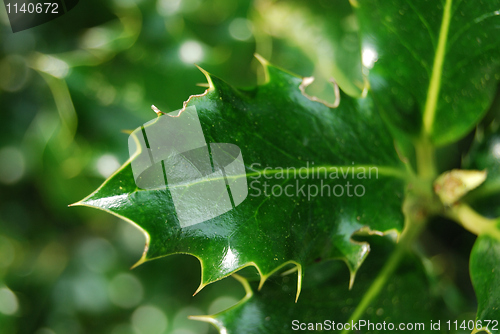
{"x":157,"y":111}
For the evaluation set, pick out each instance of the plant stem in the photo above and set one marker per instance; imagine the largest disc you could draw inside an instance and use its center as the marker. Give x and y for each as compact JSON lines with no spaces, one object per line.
{"x":411,"y":231}
{"x":473,"y":221}
{"x":426,"y":160}
{"x":437,"y":69}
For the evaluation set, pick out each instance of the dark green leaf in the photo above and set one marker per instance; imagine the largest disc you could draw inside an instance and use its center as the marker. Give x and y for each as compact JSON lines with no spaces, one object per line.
{"x":485,"y":256}
{"x":485,"y":155}
{"x":433,"y":64}
{"x":325,"y":31}
{"x":405,"y":299}
{"x":485,"y":275}
{"x":277,"y":127}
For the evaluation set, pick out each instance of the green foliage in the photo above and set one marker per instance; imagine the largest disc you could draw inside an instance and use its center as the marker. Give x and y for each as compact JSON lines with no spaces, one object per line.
{"x":319,"y":29}
{"x":485,"y":277}
{"x":408,"y":298}
{"x":436,"y":68}
{"x":484,"y":156}
{"x":419,"y":91}
{"x":277,"y":127}
{"x":425,"y":82}
{"x":433,"y":69}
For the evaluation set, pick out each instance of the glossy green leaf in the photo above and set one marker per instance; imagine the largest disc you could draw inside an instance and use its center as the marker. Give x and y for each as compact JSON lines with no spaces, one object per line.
{"x":276,"y":126}
{"x":325,"y":31}
{"x":325,"y":299}
{"x":485,"y":255}
{"x":485,"y":155}
{"x":433,"y":65}
{"x":485,"y":275}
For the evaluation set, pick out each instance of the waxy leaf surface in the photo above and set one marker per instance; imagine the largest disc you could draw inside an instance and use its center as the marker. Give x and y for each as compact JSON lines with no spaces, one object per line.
{"x":485,"y":275}
{"x":406,"y":299}
{"x":433,"y":65}
{"x":485,"y":155}
{"x":277,"y":128}
{"x":485,"y":255}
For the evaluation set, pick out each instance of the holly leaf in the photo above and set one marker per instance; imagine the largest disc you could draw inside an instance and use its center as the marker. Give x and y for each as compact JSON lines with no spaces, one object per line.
{"x":485,"y":155}
{"x":324,"y":156}
{"x":433,"y":66}
{"x":485,"y":275}
{"x":485,"y":256}
{"x":405,"y":300}
{"x":319,"y":30}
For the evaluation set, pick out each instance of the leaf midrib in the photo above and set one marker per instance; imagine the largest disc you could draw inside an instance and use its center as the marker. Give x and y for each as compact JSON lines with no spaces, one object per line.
{"x":343,"y":169}
{"x":437,"y":69}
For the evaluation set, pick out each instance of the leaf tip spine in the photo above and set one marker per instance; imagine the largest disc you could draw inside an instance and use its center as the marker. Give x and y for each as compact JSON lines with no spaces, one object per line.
{"x":299,"y":281}
{"x":265,"y":65}
{"x":202,"y":285}
{"x":208,"y":77}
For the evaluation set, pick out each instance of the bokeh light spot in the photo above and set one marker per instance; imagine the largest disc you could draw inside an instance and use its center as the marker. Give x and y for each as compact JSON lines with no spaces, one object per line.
{"x":107,"y":164}
{"x":149,"y":319}
{"x":369,"y":57}
{"x":240,"y":29}
{"x":222,"y":303}
{"x":8,"y":302}
{"x":89,"y":292}
{"x":125,"y":290}
{"x":191,"y":52}
{"x":12,"y":165}
{"x":496,"y":150}
{"x":168,"y":7}
{"x":98,"y":255}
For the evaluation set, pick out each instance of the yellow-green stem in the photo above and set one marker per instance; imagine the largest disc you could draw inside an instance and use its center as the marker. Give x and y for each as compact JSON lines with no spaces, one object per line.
{"x":437,"y":69}
{"x":426,"y":160}
{"x":474,"y":222}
